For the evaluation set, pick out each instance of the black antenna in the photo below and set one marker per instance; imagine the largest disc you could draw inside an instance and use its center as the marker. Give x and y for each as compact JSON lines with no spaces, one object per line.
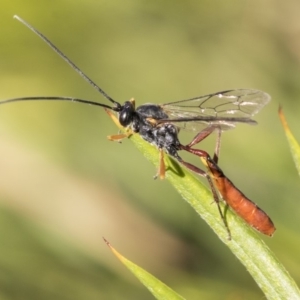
{"x":66,"y":59}
{"x":59,"y":98}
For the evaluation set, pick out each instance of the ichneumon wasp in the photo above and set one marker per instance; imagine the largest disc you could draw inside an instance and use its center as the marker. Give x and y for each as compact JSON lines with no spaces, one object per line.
{"x":159,"y":125}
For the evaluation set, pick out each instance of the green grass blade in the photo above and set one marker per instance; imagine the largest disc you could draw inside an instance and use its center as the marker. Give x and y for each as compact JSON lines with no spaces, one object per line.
{"x":294,"y":146}
{"x":158,"y":289}
{"x":246,"y":244}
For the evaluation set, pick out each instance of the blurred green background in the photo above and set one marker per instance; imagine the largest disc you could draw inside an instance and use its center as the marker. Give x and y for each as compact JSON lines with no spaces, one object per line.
{"x":63,"y":185}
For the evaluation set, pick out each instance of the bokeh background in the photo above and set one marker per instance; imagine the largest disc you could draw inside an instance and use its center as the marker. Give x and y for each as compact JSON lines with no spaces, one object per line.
{"x":63,"y":185}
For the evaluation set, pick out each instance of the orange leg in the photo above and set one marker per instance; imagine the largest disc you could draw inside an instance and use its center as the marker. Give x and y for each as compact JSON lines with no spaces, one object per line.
{"x":162,"y":166}
{"x":205,"y":133}
{"x":113,"y":117}
{"x":117,"y":137}
{"x":161,"y":173}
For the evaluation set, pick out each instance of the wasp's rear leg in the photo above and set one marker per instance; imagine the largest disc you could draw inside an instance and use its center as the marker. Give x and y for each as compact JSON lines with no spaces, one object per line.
{"x":204,"y":156}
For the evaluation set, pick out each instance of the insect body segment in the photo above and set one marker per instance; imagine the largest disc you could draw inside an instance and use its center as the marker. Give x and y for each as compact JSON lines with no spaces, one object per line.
{"x":243,"y":206}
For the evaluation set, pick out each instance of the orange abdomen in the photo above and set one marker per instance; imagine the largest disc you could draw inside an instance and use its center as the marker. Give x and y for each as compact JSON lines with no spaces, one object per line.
{"x":243,"y":206}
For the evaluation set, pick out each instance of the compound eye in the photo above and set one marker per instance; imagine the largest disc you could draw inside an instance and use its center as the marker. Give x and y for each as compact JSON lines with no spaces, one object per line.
{"x":125,"y":117}
{"x":126,"y":114}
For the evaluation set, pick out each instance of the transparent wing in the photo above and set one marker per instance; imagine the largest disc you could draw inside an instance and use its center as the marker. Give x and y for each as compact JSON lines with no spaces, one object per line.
{"x":222,"y":109}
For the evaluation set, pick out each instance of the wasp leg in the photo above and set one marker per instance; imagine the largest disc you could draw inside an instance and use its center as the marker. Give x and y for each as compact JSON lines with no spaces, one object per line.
{"x":117,"y":137}
{"x":198,"y":152}
{"x":207,"y":161}
{"x":218,"y":145}
{"x":162,"y":167}
{"x":202,"y":135}
{"x":113,"y":117}
{"x":204,"y":156}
